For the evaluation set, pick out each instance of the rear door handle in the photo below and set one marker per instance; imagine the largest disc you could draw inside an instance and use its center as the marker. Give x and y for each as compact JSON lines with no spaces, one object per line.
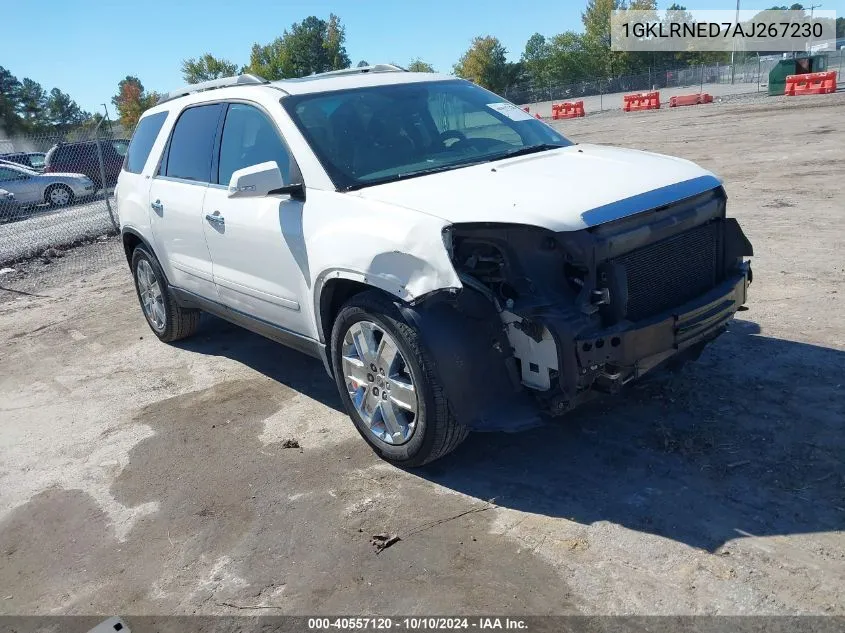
{"x":157,"y":206}
{"x":217,"y":219}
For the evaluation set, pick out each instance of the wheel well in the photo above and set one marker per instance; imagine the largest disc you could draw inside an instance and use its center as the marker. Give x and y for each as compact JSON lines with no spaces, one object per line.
{"x":130,"y":242}
{"x":335,"y":293}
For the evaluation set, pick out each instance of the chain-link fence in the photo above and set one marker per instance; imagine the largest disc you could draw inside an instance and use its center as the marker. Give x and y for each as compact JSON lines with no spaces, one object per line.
{"x":723,"y":80}
{"x":56,"y":190}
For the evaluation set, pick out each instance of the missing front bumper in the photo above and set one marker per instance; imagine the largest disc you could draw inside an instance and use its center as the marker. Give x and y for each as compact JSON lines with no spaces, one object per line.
{"x":624,"y":352}
{"x":466,"y":342}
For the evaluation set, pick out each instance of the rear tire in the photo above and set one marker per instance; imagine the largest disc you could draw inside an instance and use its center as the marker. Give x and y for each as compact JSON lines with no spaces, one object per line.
{"x":168,"y":321}
{"x":436,"y":432}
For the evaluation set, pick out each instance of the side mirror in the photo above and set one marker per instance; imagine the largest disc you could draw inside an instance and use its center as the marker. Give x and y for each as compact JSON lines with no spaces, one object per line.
{"x":256,"y":180}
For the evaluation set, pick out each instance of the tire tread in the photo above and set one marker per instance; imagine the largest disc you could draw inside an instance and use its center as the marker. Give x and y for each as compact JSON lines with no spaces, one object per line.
{"x":181,"y":322}
{"x":448,"y":432}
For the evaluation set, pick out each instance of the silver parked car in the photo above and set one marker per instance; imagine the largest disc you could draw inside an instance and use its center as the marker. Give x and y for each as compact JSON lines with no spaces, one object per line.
{"x":31,"y":188}
{"x":9,"y":207}
{"x":31,"y":160}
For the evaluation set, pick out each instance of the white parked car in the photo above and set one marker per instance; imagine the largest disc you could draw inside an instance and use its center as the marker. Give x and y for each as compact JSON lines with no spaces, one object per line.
{"x":455,"y":263}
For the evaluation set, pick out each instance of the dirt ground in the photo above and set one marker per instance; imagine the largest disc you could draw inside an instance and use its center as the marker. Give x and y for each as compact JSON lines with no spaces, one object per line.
{"x":139,"y":478}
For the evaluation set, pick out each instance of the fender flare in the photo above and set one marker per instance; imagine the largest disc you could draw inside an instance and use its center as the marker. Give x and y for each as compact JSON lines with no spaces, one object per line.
{"x":129,"y":230}
{"x":387,"y":284}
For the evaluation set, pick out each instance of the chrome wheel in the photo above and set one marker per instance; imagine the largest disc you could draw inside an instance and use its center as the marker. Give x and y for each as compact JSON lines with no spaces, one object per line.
{"x":150,"y":292}
{"x":59,"y":196}
{"x":379,"y":382}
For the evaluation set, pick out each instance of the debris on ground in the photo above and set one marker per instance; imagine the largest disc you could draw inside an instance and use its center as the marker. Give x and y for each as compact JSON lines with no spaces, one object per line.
{"x":6,"y":271}
{"x":52,"y":253}
{"x":290,"y":443}
{"x":384,"y":540}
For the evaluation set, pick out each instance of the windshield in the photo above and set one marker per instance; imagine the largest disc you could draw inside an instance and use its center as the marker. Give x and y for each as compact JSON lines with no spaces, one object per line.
{"x":36,"y":160}
{"x":367,"y":136}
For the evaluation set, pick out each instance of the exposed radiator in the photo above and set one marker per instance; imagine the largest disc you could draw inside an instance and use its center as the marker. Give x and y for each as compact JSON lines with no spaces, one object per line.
{"x":672,"y":271}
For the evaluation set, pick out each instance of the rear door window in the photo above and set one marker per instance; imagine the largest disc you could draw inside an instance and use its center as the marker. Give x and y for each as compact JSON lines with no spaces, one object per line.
{"x":142,"y":142}
{"x":190,"y":149}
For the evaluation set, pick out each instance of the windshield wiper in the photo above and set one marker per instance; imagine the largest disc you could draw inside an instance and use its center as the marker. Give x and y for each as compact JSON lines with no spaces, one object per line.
{"x":522,"y":151}
{"x":519,"y":151}
{"x":410,"y":174}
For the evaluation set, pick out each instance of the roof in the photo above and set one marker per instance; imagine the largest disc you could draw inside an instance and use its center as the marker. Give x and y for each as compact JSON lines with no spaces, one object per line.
{"x":378,"y":75}
{"x":329,"y":82}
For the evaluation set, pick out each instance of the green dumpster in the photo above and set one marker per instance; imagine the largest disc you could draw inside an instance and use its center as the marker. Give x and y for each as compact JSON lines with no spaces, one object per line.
{"x":799,"y":65}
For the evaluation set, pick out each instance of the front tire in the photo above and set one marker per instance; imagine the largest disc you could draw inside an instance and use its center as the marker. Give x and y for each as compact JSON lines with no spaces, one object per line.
{"x":58,"y":196}
{"x":388,"y":386}
{"x":168,"y":321}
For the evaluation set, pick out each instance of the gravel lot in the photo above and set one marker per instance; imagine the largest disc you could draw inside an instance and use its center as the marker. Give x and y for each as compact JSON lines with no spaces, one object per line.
{"x":137,"y":477}
{"x":45,"y":228}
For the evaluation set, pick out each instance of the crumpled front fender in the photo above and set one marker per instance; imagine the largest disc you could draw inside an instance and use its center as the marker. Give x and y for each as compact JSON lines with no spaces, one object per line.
{"x":473,"y":362}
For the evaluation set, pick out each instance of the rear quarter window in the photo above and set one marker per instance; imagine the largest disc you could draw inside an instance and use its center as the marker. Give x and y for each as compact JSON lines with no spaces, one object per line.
{"x":142,"y":142}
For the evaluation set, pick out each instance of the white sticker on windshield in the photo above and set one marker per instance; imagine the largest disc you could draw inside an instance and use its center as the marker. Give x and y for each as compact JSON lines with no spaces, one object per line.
{"x":510,"y":111}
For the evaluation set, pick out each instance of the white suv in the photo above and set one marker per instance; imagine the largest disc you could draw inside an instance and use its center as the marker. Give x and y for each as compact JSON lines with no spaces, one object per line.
{"x":455,"y":263}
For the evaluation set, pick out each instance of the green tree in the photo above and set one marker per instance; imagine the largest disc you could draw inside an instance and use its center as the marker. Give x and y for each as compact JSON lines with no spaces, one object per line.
{"x":689,"y":58}
{"x":514,"y":75}
{"x":333,"y":44}
{"x":32,"y":104}
{"x":596,"y":20}
{"x":362,"y":64}
{"x":207,"y":67}
{"x":569,"y":58}
{"x":10,"y":120}
{"x":132,"y":100}
{"x":485,"y":63}
{"x":310,"y":46}
{"x":535,"y":59}
{"x":63,"y":112}
{"x":840,"y":28}
{"x":419,"y":66}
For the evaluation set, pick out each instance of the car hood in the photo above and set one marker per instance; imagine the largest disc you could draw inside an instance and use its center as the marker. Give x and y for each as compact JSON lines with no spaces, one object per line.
{"x":565,"y":189}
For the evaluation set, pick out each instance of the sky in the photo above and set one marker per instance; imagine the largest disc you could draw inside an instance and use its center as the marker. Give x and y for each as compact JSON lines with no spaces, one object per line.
{"x":85,"y":47}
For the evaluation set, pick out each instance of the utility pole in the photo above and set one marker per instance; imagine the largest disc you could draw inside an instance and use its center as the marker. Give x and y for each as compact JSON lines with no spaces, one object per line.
{"x":810,"y":45}
{"x":733,"y":47}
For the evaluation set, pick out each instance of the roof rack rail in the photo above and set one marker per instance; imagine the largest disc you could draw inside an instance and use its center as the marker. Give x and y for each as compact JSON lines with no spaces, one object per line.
{"x":224,"y":82}
{"x":377,"y":68}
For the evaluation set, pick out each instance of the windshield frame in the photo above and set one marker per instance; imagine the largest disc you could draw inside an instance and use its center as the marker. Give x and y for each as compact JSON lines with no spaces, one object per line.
{"x":343,"y":182}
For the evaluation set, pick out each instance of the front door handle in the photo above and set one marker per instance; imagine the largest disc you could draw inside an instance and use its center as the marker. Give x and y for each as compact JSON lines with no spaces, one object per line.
{"x":216,"y":218}
{"x":157,"y":206}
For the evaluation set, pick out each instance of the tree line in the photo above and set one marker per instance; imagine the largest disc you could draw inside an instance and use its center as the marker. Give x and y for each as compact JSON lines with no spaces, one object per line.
{"x":27,"y":108}
{"x":315,"y":45}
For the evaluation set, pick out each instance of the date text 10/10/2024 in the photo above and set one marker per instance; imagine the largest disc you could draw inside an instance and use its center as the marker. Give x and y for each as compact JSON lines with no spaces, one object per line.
{"x":416,"y":623}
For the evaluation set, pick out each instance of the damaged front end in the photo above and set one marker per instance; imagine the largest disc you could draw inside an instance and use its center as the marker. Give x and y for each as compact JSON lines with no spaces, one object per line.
{"x":553,"y":318}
